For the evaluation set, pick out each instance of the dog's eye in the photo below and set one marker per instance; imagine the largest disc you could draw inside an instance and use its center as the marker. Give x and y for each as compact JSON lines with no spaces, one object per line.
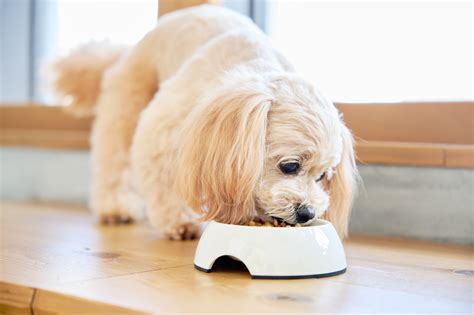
{"x":290,"y":168}
{"x":321,"y":177}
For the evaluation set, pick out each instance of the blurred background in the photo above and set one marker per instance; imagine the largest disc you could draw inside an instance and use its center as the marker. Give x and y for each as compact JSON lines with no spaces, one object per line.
{"x":400,"y":72}
{"x":379,"y":51}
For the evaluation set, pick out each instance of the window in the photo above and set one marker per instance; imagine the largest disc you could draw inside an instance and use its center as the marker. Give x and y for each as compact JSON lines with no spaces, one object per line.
{"x":34,"y":30}
{"x":378,"y":51}
{"x":122,"y":22}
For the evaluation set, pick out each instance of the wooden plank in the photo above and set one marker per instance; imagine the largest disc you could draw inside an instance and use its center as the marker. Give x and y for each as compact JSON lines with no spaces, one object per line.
{"x":50,"y":246}
{"x":167,"y":6}
{"x":460,"y":156}
{"x":39,"y":117}
{"x":381,"y":152}
{"x":449,"y":122}
{"x":367,"y":286}
{"x":47,"y":302}
{"x":157,"y":276}
{"x":15,"y":299}
{"x":44,"y":138}
{"x":415,"y":154}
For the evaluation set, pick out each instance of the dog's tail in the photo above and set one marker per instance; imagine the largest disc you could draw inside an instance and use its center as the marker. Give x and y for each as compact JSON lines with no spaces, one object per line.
{"x":76,"y":79}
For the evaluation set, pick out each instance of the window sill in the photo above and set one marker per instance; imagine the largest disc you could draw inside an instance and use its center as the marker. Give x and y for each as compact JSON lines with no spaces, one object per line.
{"x":50,"y":127}
{"x":415,"y":154}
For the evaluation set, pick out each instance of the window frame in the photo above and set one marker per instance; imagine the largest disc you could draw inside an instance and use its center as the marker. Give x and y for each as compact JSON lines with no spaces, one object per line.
{"x":34,"y":125}
{"x":16,"y":79}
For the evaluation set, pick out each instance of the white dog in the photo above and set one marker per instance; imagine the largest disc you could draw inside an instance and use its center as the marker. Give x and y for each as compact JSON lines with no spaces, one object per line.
{"x":203,"y":116}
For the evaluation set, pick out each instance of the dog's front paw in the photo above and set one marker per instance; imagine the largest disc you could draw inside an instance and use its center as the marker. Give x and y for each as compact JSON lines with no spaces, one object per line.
{"x":115,"y":217}
{"x":184,"y":231}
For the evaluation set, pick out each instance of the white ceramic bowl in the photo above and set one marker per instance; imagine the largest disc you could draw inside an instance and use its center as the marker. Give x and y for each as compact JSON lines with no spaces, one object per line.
{"x":274,"y":252}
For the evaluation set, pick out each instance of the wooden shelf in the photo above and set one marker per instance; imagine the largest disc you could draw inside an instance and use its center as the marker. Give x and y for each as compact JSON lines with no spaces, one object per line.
{"x":55,"y":259}
{"x":52,"y":139}
{"x":421,"y":122}
{"x":415,"y":154}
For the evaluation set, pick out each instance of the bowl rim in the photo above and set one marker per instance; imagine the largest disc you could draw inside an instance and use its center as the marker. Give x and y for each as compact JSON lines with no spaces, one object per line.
{"x":322,"y":222}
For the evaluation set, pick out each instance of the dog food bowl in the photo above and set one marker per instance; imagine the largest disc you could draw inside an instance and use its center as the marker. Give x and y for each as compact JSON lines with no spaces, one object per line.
{"x":274,"y":252}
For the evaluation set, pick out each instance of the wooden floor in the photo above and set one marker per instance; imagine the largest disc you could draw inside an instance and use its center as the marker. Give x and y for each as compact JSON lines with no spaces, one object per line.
{"x":56,"y":259}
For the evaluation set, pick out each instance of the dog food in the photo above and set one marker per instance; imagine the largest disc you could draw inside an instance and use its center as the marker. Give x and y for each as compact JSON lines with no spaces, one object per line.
{"x":275,"y":223}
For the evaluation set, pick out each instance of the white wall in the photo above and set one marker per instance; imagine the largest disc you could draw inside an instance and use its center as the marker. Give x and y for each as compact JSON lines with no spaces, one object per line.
{"x":34,"y":174}
{"x":416,"y":202}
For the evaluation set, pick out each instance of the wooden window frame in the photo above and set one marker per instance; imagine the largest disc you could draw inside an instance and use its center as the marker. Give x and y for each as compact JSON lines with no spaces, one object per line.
{"x":385,"y":133}
{"x":439,"y":134}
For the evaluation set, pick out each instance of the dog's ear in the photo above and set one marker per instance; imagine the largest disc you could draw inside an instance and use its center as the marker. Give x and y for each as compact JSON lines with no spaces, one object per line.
{"x":343,"y":186}
{"x":222,"y":154}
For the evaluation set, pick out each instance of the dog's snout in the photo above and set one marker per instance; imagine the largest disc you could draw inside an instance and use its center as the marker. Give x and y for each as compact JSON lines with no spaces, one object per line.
{"x":304,"y":214}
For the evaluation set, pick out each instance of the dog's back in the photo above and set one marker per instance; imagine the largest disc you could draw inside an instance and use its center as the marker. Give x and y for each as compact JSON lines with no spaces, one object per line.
{"x":178,"y":35}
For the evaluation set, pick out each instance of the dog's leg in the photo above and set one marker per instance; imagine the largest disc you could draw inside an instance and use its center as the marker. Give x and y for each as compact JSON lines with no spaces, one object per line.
{"x":153,"y":152}
{"x":127,"y":88}
{"x":167,"y":213}
{"x":170,"y":216}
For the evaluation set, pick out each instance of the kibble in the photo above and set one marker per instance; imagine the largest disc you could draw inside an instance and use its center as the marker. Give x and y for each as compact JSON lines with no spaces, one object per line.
{"x":275,"y":223}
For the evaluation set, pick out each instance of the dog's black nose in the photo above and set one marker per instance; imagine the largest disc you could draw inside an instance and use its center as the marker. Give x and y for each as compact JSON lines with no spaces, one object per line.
{"x":304,"y":214}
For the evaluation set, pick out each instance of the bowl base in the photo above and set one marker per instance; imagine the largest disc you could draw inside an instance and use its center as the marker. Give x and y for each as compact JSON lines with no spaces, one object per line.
{"x":315,"y":276}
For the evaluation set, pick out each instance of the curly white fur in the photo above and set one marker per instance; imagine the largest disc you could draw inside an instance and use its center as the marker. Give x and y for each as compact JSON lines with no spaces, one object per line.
{"x":198,"y":116}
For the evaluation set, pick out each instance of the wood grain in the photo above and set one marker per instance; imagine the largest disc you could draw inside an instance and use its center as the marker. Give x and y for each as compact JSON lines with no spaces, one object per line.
{"x":73,"y":261}
{"x":15,"y":299}
{"x":47,"y":302}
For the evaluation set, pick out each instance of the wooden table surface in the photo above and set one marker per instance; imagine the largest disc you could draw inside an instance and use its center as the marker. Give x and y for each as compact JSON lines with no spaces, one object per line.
{"x":56,"y":259}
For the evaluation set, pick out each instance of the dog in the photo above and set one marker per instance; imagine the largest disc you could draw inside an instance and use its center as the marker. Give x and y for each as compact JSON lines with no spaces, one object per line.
{"x":204,"y":120}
